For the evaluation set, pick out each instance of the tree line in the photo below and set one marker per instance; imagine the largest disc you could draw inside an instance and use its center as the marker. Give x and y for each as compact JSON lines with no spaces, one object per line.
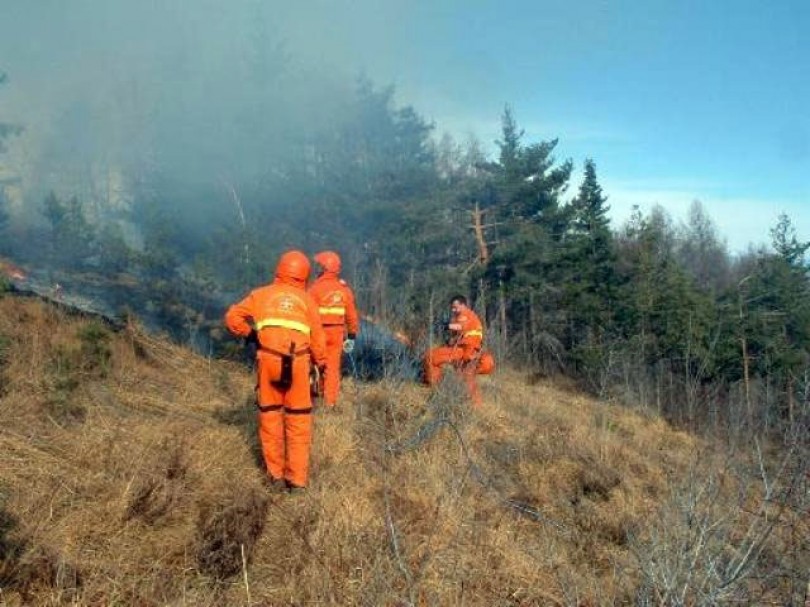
{"x":649,"y":312}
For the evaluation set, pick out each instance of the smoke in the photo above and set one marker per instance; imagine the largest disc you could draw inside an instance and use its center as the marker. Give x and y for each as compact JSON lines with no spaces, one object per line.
{"x":117,"y":97}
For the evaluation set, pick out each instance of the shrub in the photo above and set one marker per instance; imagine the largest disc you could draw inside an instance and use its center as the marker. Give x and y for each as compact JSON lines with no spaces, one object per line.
{"x":95,"y":353}
{"x":227,"y":531}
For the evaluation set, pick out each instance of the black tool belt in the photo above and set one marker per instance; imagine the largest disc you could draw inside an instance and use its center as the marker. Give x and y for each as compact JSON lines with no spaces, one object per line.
{"x":287,"y":410}
{"x":285,"y":379}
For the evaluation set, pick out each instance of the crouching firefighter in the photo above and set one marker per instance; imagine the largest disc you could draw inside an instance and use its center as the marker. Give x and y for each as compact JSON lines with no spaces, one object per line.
{"x":463,"y":349}
{"x":284,"y":320}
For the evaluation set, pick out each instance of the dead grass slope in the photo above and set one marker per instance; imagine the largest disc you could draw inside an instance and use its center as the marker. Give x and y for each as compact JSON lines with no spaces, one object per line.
{"x":130,"y":477}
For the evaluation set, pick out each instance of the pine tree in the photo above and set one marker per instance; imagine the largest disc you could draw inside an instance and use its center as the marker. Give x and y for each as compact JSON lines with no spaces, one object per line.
{"x":589,"y":209}
{"x":73,"y":240}
{"x":778,"y":313}
{"x":586,"y":273}
{"x":522,"y":193}
{"x":786,"y":245}
{"x":510,"y":146}
{"x":662,"y":312}
{"x":529,"y":183}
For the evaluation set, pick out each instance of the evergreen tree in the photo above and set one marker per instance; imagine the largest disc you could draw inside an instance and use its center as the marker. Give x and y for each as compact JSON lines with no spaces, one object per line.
{"x":787,"y":246}
{"x":661,"y":310}
{"x":162,"y":238}
{"x":381,"y":151}
{"x":529,"y":183}
{"x":586,"y":273}
{"x":73,"y":241}
{"x":114,"y":252}
{"x":522,"y":192}
{"x":510,"y":146}
{"x":589,"y":209}
{"x":778,"y":313}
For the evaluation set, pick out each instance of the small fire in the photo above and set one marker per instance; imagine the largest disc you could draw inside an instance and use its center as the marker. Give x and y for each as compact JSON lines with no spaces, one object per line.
{"x":400,"y":336}
{"x":12,"y":271}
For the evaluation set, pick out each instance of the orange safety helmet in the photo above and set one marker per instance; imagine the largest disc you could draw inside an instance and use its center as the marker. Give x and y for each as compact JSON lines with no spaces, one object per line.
{"x":329,"y":261}
{"x":293,"y":266}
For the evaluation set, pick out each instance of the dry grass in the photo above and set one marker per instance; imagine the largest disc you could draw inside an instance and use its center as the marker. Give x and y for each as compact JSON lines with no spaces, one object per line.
{"x":130,"y":477}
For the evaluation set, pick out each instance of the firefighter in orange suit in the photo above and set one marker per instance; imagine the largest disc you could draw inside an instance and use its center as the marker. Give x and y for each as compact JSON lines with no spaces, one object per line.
{"x":284,"y":321}
{"x":338,"y":312}
{"x":463,"y":348}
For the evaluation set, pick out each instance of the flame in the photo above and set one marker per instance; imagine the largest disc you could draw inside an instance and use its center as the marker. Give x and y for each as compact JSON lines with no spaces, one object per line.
{"x":12,"y":271}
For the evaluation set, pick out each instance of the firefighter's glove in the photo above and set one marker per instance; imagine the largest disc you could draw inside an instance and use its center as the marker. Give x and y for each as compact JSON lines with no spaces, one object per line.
{"x":348,"y":345}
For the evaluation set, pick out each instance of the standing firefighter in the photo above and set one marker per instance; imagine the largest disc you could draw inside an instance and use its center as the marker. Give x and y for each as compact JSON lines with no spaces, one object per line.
{"x":284,"y":320}
{"x":336,"y":306}
{"x":463,"y":349}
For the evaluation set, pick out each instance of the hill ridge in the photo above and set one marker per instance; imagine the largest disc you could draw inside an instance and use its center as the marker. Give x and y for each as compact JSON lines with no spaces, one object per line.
{"x":131,"y":476}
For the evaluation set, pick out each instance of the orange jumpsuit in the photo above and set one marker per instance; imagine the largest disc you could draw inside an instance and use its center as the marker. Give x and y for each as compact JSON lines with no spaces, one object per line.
{"x":287,"y":322}
{"x":338,"y":312}
{"x":462,"y":353}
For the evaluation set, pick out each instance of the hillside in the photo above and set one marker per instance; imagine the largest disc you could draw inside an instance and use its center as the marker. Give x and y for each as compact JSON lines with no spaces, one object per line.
{"x":129,"y":477}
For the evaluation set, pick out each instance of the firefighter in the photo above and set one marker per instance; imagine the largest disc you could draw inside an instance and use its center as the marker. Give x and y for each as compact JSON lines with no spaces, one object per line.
{"x":338,"y":312}
{"x":463,"y":348}
{"x":282,"y":318}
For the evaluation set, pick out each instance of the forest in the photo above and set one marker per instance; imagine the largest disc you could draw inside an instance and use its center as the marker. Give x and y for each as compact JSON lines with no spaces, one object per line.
{"x":653,"y":311}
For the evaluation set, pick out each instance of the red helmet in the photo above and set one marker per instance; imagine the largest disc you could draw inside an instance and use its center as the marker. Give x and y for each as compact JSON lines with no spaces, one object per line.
{"x":293,"y":266}
{"x":329,"y":261}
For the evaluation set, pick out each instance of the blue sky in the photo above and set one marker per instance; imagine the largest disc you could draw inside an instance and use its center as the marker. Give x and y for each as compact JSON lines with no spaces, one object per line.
{"x":675,"y":101}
